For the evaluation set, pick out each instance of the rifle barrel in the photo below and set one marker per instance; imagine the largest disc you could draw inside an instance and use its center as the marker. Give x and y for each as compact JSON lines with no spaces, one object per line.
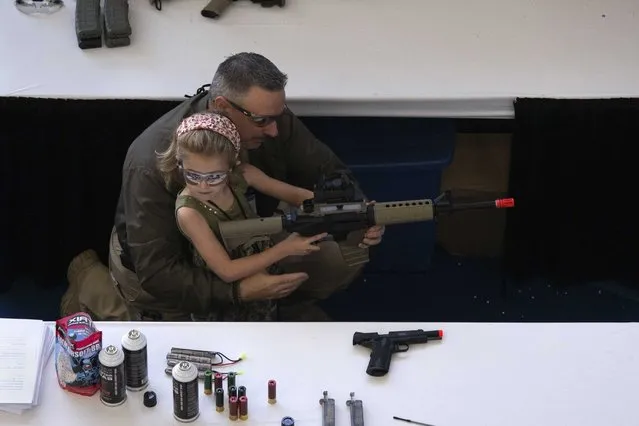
{"x":501,"y":203}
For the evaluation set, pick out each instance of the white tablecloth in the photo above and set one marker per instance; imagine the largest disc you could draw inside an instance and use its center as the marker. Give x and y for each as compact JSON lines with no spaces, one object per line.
{"x":453,"y":58}
{"x":479,"y":375}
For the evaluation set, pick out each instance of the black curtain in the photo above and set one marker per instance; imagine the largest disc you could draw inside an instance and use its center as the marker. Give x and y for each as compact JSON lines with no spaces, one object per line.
{"x":574,"y":176}
{"x":61,"y":174}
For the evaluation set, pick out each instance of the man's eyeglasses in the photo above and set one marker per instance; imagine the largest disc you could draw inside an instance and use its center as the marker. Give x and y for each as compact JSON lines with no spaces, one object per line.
{"x":258,"y":120}
{"x":211,"y":179}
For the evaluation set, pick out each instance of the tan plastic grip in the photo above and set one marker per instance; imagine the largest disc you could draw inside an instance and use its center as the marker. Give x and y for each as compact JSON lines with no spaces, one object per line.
{"x":235,"y":233}
{"x":396,"y":212}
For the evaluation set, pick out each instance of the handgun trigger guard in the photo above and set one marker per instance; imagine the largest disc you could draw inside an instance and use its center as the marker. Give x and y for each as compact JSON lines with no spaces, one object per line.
{"x":402,"y":347}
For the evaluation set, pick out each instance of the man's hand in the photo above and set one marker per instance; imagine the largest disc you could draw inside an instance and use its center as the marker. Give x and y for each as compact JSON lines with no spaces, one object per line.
{"x":373,"y":236}
{"x":263,"y":286}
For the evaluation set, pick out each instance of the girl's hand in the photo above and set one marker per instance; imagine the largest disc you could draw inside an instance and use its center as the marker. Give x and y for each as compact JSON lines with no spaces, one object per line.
{"x":296,"y":245}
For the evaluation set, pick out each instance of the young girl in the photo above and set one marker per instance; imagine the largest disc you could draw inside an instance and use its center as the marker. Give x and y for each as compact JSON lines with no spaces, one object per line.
{"x":203,"y":157}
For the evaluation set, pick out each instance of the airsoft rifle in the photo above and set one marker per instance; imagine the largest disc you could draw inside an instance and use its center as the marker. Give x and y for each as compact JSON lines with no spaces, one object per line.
{"x":339,"y":209}
{"x":215,"y":8}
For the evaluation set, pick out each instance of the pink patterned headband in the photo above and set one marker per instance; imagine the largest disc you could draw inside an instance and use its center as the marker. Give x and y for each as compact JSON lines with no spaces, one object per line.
{"x":213,"y":122}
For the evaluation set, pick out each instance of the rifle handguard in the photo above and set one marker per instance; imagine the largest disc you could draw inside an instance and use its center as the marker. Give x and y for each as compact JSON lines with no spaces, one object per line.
{"x":396,"y":212}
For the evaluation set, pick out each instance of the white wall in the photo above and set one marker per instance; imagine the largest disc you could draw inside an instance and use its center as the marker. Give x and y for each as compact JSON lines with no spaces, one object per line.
{"x":457,"y":58}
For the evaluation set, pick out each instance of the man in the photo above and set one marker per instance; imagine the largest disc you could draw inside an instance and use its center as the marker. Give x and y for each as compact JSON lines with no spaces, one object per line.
{"x":149,"y":259}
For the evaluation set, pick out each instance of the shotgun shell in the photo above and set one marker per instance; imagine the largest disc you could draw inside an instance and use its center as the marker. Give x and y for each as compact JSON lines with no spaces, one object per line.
{"x":243,"y":408}
{"x":233,"y":408}
{"x":272,"y":392}
{"x":218,"y":380}
{"x":208,"y":382}
{"x":219,"y":400}
{"x":230,"y":380}
{"x":233,"y":391}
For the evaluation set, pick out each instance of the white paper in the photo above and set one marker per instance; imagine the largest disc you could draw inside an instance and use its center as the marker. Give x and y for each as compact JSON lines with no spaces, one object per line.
{"x":25,"y":348}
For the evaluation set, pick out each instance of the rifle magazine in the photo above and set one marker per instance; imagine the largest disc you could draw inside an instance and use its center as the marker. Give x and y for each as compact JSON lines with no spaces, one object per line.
{"x":354,"y":256}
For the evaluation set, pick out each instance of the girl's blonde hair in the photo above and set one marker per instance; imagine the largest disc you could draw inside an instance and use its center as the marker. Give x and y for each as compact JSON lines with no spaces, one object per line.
{"x":197,"y":141}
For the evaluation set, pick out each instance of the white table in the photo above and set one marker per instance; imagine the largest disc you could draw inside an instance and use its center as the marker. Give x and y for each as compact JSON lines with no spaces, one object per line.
{"x":453,"y":58}
{"x":479,"y":375}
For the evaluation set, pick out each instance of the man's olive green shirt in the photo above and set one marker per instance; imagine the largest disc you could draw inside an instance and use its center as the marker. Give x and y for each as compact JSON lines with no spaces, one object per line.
{"x":145,"y":217}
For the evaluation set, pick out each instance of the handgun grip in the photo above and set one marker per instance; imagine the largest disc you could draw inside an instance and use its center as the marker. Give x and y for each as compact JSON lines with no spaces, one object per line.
{"x":380,"y":360}
{"x":215,"y":8}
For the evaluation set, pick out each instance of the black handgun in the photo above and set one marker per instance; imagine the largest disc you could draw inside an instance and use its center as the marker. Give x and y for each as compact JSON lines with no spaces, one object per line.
{"x":383,"y":346}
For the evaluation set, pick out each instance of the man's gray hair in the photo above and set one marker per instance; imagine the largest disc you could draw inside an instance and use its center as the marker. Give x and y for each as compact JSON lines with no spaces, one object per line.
{"x":238,"y":73}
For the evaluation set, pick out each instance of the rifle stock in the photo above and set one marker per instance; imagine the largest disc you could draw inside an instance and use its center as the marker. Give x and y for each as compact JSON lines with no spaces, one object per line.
{"x":236,"y":233}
